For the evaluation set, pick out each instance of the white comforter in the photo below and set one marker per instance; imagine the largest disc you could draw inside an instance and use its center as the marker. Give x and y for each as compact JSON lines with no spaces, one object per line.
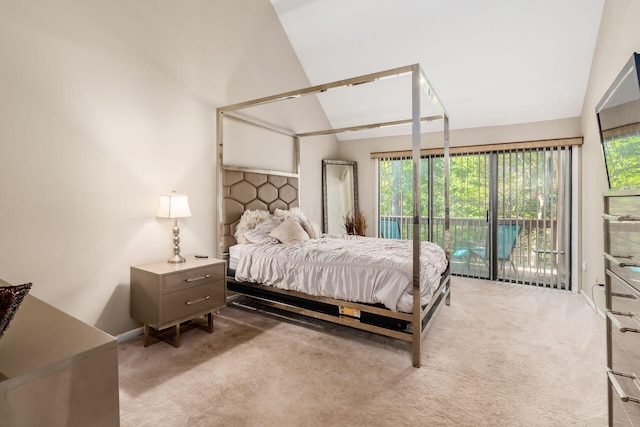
{"x":352,"y":268}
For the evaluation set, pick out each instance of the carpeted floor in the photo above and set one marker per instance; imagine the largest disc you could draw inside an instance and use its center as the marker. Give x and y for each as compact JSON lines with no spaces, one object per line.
{"x":500,"y":355}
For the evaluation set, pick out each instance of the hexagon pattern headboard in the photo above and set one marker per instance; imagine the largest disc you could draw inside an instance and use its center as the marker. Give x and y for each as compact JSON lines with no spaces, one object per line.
{"x":244,"y":190}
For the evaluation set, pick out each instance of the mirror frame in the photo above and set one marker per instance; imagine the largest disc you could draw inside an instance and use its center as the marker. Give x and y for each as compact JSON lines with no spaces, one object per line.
{"x":325,"y":213}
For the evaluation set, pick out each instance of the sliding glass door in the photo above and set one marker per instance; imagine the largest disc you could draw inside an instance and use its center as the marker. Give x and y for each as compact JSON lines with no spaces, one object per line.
{"x":470,"y":191}
{"x":509,"y":212}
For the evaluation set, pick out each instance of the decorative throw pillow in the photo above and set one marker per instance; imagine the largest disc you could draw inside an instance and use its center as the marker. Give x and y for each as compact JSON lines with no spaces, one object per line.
{"x":290,"y":232}
{"x":291,"y":213}
{"x":10,"y":299}
{"x":248,"y":221}
{"x":260,"y":234}
{"x":312,"y":228}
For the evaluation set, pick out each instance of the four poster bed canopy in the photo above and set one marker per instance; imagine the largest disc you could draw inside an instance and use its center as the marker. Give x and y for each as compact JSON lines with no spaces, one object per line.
{"x":397,"y":292}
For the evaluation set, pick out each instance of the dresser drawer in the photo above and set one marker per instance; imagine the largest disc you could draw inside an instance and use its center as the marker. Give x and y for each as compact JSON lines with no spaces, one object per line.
{"x":187,"y":302}
{"x":190,"y":278}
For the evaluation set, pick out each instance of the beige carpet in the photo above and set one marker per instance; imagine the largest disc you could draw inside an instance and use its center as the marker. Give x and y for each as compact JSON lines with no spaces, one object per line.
{"x":500,"y":355}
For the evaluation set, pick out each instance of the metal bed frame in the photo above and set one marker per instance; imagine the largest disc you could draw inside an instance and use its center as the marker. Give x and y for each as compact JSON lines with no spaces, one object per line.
{"x":420,"y":320}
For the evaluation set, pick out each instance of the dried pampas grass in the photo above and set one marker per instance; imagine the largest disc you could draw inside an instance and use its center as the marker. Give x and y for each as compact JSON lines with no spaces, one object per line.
{"x":355,"y":223}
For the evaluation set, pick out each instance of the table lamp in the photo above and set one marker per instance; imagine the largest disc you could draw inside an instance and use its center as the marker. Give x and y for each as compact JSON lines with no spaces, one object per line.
{"x":174,"y":206}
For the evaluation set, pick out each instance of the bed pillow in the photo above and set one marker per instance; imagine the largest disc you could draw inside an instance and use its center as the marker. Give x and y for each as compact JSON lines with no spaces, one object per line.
{"x":291,"y":213}
{"x":10,"y":299}
{"x":312,"y":228}
{"x":260,"y":234}
{"x":290,"y":232}
{"x":248,"y":221}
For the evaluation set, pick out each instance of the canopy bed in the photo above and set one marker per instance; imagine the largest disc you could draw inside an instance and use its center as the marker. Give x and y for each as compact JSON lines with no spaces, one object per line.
{"x":389,"y":287}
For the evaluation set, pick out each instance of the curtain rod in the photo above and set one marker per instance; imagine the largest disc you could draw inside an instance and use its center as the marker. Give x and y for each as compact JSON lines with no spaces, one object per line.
{"x":470,"y":149}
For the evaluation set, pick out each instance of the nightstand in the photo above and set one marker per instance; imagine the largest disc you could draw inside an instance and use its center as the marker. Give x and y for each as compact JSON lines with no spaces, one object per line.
{"x":165,"y":295}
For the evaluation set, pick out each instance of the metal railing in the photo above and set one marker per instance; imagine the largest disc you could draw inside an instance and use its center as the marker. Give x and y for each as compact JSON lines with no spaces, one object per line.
{"x":535,"y":259}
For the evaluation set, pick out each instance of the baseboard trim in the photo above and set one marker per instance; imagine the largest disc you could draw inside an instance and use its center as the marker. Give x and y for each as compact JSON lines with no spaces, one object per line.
{"x":131,"y":334}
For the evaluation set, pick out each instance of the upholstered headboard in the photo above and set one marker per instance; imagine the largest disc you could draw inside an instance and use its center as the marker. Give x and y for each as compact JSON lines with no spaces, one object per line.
{"x":244,"y":190}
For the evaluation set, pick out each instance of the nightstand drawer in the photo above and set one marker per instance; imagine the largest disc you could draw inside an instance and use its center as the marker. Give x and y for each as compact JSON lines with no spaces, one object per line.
{"x":184,"y":303}
{"x":190,"y":278}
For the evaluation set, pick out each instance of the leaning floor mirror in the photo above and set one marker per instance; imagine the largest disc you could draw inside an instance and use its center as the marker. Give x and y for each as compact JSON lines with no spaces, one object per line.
{"x":340,"y":193}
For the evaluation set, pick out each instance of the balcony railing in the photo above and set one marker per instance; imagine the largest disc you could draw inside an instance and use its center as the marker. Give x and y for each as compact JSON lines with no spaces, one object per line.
{"x":535,"y":258}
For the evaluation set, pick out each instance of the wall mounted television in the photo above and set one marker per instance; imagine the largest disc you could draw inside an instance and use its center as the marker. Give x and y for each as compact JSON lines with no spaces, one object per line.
{"x":619,"y":121}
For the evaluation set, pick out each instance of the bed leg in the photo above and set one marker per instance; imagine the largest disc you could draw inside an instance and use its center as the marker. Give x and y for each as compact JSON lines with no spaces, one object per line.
{"x":416,"y":342}
{"x":447,"y":299}
{"x":416,"y":356}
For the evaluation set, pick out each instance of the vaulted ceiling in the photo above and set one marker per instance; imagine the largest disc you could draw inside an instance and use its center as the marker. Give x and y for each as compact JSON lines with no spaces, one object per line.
{"x":492,"y":62}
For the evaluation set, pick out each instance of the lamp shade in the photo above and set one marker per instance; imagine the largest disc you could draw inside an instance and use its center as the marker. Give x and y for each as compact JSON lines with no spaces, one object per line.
{"x":173,"y":206}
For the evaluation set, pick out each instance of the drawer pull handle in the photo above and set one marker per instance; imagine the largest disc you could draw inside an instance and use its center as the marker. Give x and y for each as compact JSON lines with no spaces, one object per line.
{"x":195,"y":279}
{"x":616,"y":385}
{"x":198,"y":300}
{"x":616,"y":323}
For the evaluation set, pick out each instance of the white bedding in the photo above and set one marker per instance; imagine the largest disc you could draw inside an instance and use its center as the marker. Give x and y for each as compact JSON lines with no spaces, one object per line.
{"x":352,"y":268}
{"x":234,"y":255}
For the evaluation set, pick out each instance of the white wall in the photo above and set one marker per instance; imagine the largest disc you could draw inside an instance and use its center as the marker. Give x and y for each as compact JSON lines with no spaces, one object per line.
{"x":104,"y":106}
{"x":618,"y":38}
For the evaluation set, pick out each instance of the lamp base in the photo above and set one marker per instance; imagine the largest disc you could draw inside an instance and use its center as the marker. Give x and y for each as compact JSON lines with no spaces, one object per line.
{"x":176,"y":259}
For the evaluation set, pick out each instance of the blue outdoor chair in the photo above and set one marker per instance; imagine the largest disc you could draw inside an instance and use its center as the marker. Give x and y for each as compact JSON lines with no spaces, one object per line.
{"x":507,"y":237}
{"x":390,"y":228}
